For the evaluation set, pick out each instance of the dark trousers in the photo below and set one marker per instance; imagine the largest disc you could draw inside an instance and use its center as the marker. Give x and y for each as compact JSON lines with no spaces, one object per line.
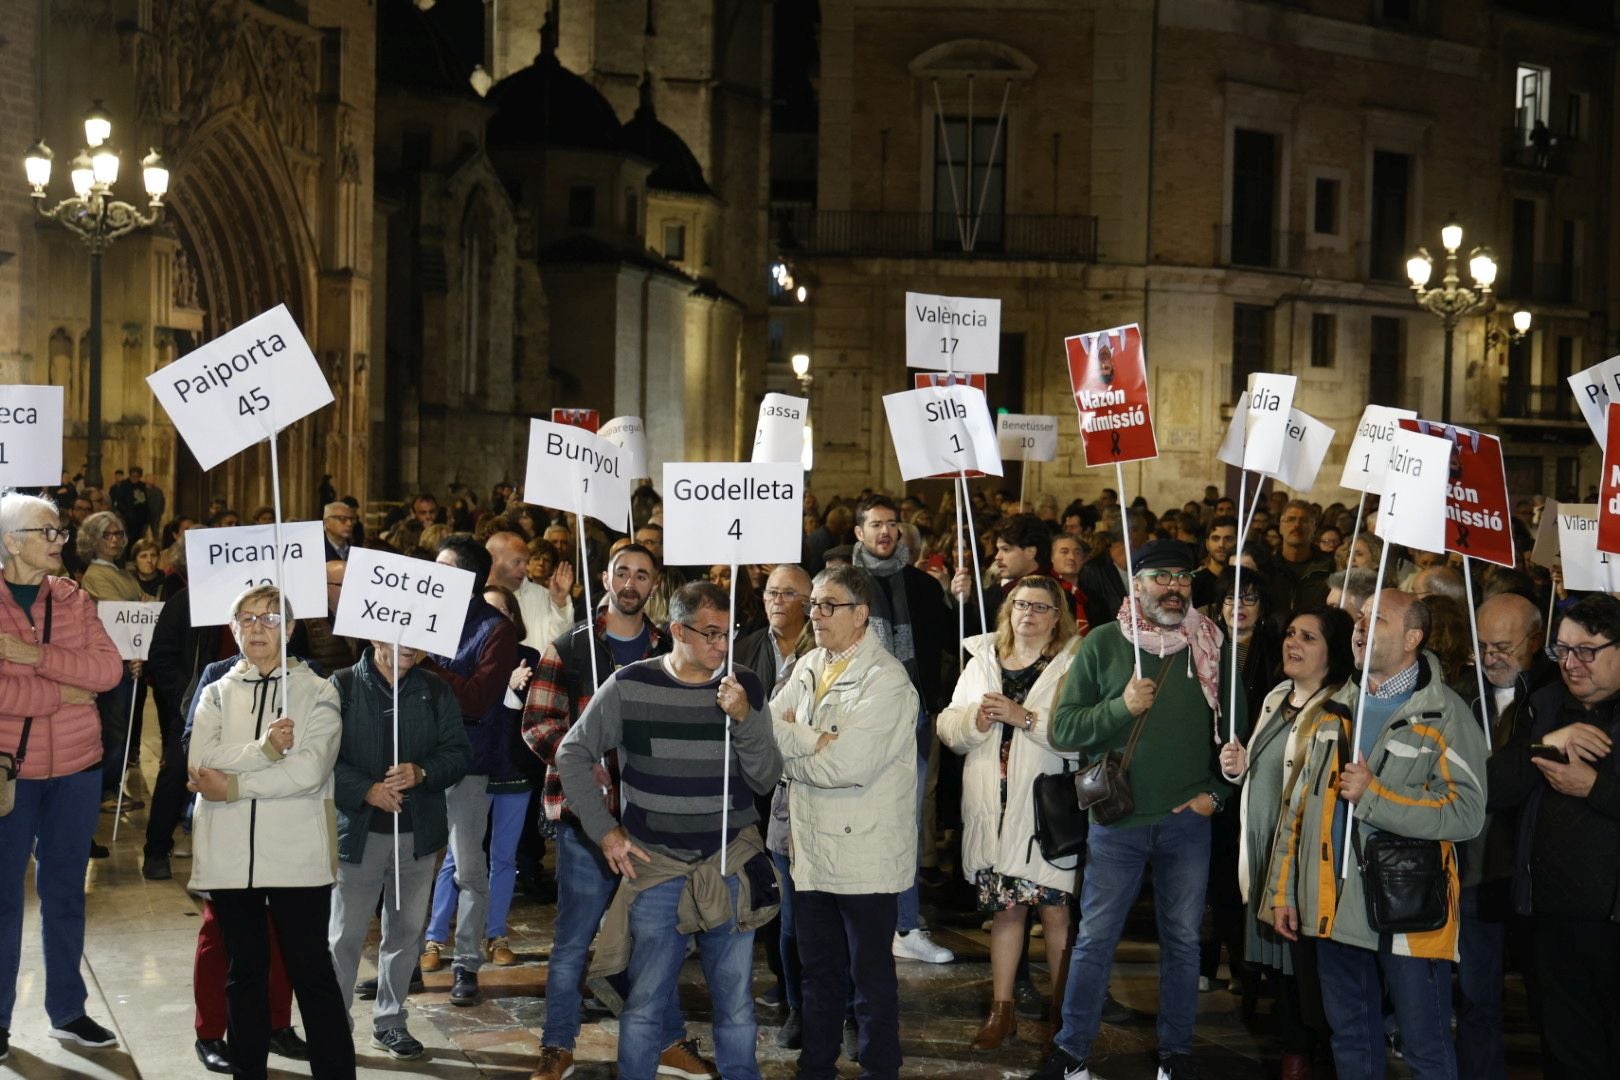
{"x":851,"y":937}
{"x":209,"y":969}
{"x":169,"y":794}
{"x":113,"y":706}
{"x":300,"y":917}
{"x":1578,"y":975}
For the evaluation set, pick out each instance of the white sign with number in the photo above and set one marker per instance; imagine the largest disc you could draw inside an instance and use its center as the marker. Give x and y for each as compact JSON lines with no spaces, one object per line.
{"x":1368,"y":456}
{"x":1412,"y":510}
{"x":1585,"y":568}
{"x":30,"y":436}
{"x":575,"y":470}
{"x":1265,"y":424}
{"x":953,"y":333}
{"x":233,"y":391}
{"x":942,"y":429}
{"x":388,"y":597}
{"x":733,"y":512}
{"x":629,"y":434}
{"x":130,"y":624}
{"x":222,"y":563}
{"x":1594,"y":388}
{"x":1027,"y":438}
{"x":779,"y":435}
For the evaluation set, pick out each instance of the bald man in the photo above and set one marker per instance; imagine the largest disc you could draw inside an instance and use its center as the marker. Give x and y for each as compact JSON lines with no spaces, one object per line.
{"x":547,"y":610}
{"x":1439,"y":581}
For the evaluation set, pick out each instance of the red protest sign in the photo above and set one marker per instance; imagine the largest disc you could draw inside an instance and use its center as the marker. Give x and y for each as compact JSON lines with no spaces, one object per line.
{"x":921,"y":380}
{"x":1478,"y":523}
{"x":589,"y":419}
{"x":1108,"y":372}
{"x":1608,"y":519}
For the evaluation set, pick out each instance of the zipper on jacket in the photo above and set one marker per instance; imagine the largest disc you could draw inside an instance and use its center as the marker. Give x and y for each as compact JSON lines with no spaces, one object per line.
{"x":262,"y":692}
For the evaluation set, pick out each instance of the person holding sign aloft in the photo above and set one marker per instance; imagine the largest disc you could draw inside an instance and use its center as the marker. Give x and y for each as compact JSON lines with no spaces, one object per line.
{"x":262,"y":834}
{"x":55,"y":657}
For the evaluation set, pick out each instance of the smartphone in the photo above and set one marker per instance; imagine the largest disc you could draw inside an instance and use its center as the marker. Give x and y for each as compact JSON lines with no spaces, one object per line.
{"x":1551,"y":753}
{"x":936,"y":562}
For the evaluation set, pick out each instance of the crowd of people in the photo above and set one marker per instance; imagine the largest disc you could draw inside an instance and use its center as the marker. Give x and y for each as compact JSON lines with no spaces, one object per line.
{"x":1324,"y":787}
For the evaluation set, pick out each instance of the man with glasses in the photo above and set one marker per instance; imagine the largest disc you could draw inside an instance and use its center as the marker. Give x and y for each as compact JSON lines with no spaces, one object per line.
{"x":1515,"y":666}
{"x":337,"y":523}
{"x":1175,"y":779}
{"x":1561,"y":774}
{"x":668,"y":718}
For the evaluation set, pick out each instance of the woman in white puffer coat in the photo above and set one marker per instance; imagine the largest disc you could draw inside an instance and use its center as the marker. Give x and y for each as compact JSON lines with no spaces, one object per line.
{"x":999,"y":718}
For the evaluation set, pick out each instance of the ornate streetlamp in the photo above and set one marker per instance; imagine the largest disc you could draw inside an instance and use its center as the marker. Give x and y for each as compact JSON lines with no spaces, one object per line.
{"x":1451,"y":299}
{"x":95,"y":217}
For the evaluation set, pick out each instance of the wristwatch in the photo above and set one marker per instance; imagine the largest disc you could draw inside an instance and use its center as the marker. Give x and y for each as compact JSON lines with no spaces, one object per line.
{"x":1216,"y":800}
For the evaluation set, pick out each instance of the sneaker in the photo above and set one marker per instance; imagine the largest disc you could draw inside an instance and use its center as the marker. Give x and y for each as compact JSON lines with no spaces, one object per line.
{"x":97,"y":851}
{"x":284,"y":1042}
{"x":398,"y":1042}
{"x":1115,"y":1011}
{"x":917,"y":945}
{"x":366,"y":989}
{"x":1178,"y":1067}
{"x":5,"y":1044}
{"x":791,"y":1035}
{"x":1062,"y":1065}
{"x":682,"y":1059}
{"x":498,"y":952}
{"x":770,"y":998}
{"x":431,"y":961}
{"x":85,"y":1032}
{"x":156,"y":868}
{"x":464,"y":991}
{"x":852,"y":1040}
{"x":1205,"y":984}
{"x":555,"y":1064}
{"x":215,"y":1055}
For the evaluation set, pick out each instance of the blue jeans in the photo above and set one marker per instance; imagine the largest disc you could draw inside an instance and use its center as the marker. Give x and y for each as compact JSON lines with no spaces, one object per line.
{"x":585,"y":887}
{"x":1177,"y":847}
{"x":656,"y":955}
{"x":505,"y":828}
{"x":1482,"y":945}
{"x":792,"y":966}
{"x":1419,"y":989}
{"x":54,"y":821}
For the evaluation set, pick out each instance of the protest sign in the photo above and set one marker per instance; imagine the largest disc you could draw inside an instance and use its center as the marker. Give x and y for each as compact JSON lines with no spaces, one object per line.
{"x":1265,"y":423}
{"x":589,"y":419}
{"x":1593,"y":388}
{"x":921,"y":379}
{"x":953,"y":333}
{"x":1478,"y":519}
{"x":30,"y":436}
{"x":942,"y":429}
{"x":1368,"y":456}
{"x":232,"y":392}
{"x":222,"y":563}
{"x":733,"y":512}
{"x":1305,"y":444}
{"x":388,"y":597}
{"x":629,"y":434}
{"x":1413,"y":508}
{"x":779,"y":435}
{"x":1027,"y":438}
{"x":1608,"y":504}
{"x":1585,"y":568}
{"x":1108,"y":374}
{"x":130,"y":624}
{"x":575,"y":469}
{"x":1545,"y":551}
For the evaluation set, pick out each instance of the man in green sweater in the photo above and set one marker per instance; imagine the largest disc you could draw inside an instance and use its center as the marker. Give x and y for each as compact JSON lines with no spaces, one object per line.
{"x":1175,"y":778}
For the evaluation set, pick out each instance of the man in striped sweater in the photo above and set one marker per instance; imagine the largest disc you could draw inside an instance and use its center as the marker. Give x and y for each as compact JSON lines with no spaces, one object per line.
{"x":667,"y":717}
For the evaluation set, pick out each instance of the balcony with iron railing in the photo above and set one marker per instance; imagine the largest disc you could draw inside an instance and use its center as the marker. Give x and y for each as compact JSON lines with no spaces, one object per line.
{"x":896,"y":233}
{"x":1544,"y":150}
{"x":1530,"y":403}
{"x":1543,"y":283}
{"x":1259,"y":248}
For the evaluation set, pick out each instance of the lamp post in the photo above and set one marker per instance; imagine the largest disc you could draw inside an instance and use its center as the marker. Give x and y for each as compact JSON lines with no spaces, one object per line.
{"x":1451,"y":299}
{"x":1497,"y":336}
{"x":96,"y":218}
{"x":801,"y":371}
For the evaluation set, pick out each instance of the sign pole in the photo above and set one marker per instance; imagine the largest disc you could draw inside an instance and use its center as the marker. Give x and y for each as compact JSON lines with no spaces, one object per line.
{"x":1130,"y":575}
{"x":978,"y":578}
{"x":1344,"y":593}
{"x":1361,"y":701}
{"x":590,"y":609}
{"x":725,"y":783}
{"x":281,"y":552}
{"x":957,"y":486}
{"x":1479,"y":664}
{"x":1237,"y":602}
{"x":129,"y":734}
{"x":1552,"y":602}
{"x":395,"y":688}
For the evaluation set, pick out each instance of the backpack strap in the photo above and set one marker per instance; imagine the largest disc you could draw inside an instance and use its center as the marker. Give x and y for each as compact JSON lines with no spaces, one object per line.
{"x":28,"y":722}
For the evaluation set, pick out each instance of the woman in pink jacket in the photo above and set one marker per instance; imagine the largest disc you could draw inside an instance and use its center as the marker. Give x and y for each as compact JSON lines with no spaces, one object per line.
{"x":54,"y":658}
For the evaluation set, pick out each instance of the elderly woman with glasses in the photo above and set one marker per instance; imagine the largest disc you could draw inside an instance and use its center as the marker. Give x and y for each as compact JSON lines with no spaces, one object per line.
{"x":101,"y":542}
{"x":264,"y":744}
{"x":999,"y":718}
{"x":54,"y":658}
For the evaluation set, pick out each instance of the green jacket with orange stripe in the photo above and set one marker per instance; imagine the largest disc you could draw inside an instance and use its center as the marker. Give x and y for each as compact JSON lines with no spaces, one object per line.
{"x":1428,"y":781}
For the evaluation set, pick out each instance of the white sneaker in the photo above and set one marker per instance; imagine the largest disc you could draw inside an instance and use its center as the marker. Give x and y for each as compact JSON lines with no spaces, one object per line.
{"x":917,"y":945}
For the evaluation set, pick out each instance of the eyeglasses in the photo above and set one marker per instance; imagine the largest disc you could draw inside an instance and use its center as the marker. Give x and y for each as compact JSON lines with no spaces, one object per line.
{"x":270,"y":620}
{"x":1033,"y":605}
{"x":51,"y":533}
{"x":1584,"y":653}
{"x":786,"y":596}
{"x":828,"y":608}
{"x":1165,"y":577}
{"x":1503,"y":648}
{"x":1249,"y":600}
{"x":713,"y":637}
{"x":340,"y":518}
{"x":114,"y":534}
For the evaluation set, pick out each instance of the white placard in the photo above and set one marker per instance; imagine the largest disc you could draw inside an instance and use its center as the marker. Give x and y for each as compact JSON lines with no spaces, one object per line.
{"x":1027,"y":438}
{"x":1368,"y":457}
{"x":953,"y":333}
{"x":1412,"y":510}
{"x":1585,"y":568}
{"x":221,"y":563}
{"x":224,"y":396}
{"x":1305,"y":443}
{"x":1594,"y":388}
{"x":779,"y":435}
{"x":942,"y":429}
{"x":575,"y":470}
{"x":130,"y":624}
{"x":30,"y":436}
{"x":1265,"y":424}
{"x":388,"y":597}
{"x":629,"y":434}
{"x":1231,"y":449}
{"x":733,"y":512}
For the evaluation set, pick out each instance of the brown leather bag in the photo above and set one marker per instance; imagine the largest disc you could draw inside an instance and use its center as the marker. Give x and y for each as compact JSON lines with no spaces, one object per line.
{"x":1103,"y":786}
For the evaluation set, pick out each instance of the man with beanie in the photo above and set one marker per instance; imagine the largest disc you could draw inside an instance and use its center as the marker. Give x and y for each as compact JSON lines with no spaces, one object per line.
{"x":1174,"y":776}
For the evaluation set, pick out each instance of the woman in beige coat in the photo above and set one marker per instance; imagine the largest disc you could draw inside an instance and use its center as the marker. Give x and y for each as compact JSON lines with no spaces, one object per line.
{"x":998,"y":717}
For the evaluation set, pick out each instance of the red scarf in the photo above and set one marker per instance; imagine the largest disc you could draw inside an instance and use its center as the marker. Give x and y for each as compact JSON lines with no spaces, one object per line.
{"x":1196,"y":633}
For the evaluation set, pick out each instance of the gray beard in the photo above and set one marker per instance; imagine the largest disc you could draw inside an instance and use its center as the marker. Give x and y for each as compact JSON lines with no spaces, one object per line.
{"x":1156,"y":613}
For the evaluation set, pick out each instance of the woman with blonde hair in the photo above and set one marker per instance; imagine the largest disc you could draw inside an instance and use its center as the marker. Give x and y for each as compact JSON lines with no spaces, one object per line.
{"x":999,"y":719}
{"x":101,"y":543}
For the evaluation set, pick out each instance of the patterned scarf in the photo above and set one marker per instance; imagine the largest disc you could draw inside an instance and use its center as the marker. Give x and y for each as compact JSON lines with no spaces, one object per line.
{"x":1197,"y":632}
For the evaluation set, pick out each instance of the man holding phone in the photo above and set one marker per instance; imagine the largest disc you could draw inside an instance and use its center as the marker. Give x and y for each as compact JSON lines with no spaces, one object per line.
{"x":1567,"y":869}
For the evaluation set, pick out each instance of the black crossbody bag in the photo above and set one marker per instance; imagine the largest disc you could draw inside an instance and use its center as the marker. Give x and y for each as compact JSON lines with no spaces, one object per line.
{"x":11,"y":764}
{"x":1405,"y":883}
{"x":1060,"y":823}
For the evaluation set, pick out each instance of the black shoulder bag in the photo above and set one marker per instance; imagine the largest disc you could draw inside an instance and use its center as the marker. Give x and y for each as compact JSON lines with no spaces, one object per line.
{"x":11,"y":764}
{"x":1103,"y":786}
{"x":1060,"y":822}
{"x":1404,"y":880}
